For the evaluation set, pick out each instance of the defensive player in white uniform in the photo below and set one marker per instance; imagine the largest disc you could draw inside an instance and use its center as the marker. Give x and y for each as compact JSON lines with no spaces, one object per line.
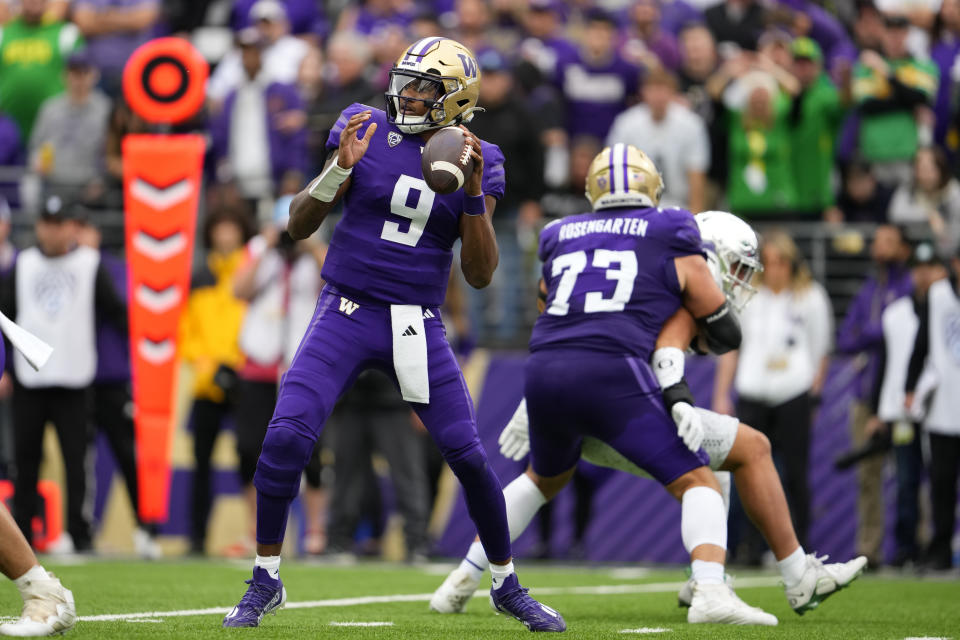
{"x":732,"y":248}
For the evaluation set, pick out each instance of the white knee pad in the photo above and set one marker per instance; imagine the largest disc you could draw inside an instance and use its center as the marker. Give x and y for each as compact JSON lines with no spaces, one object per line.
{"x":703,"y":519}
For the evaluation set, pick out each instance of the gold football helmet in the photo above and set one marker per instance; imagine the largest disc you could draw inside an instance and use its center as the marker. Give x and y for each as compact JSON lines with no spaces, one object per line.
{"x":623,"y":176}
{"x":440,"y":73}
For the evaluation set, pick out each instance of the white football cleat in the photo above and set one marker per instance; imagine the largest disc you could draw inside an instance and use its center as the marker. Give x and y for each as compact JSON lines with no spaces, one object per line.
{"x":685,"y":595}
{"x":719,"y":604}
{"x":48,"y":609}
{"x":820,"y":581}
{"x":453,"y":595}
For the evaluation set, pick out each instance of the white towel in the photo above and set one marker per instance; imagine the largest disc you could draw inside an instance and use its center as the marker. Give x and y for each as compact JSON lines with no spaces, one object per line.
{"x":410,"y":352}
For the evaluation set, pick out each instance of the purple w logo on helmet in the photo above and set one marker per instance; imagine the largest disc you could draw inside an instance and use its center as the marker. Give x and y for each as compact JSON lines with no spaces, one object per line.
{"x":469,"y":65}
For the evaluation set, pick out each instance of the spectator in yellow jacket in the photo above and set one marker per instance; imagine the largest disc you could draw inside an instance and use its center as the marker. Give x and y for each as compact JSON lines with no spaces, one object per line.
{"x":209,"y":343}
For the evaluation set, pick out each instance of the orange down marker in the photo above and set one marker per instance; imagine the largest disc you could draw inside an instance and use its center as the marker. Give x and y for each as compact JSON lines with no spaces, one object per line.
{"x":164,"y":82}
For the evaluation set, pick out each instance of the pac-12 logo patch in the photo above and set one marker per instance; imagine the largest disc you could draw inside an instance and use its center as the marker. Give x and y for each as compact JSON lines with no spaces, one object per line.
{"x":394,"y":138}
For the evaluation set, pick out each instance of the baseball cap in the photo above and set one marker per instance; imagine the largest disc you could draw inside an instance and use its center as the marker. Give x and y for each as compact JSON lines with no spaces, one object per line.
{"x":807,"y":48}
{"x":55,"y":209}
{"x":924,"y":254}
{"x":269,"y":10}
{"x":79,"y":59}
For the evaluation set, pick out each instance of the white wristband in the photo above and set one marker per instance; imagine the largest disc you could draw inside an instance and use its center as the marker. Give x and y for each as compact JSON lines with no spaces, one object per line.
{"x":667,"y":363}
{"x":325,"y":186}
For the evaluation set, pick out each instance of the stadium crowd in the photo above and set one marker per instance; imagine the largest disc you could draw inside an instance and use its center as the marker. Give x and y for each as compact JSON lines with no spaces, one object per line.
{"x":782,"y":111}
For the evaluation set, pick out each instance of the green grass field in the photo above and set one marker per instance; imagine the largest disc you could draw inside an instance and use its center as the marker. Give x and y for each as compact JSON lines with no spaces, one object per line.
{"x":611,"y":601}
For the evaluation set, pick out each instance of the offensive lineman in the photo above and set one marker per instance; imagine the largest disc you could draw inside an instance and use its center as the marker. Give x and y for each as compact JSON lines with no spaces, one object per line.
{"x":386,"y":273}
{"x":731,"y":248}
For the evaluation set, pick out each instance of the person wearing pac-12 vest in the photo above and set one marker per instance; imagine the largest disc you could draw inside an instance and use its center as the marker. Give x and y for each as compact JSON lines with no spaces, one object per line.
{"x":56,"y":291}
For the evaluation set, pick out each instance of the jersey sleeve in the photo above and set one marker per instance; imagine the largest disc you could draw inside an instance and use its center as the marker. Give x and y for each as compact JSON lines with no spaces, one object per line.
{"x":681,"y":235}
{"x":333,"y":140}
{"x":547,"y":240}
{"x":494,"y":178}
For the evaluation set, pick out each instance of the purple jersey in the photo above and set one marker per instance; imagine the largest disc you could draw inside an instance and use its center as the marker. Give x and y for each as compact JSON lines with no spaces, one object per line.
{"x":395,"y":240}
{"x":595,"y":94}
{"x":611,"y":280}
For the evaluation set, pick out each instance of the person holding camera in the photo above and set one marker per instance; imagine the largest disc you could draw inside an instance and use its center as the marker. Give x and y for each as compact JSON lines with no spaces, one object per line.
{"x":280,"y":281}
{"x":209,"y":342}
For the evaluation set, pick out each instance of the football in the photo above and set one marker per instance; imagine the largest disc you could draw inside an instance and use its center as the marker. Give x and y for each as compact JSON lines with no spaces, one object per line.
{"x":446,"y":161}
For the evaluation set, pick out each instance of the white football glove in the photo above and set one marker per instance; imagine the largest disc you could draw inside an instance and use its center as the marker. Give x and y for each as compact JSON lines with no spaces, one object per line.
{"x":515,"y":438}
{"x":689,"y":425}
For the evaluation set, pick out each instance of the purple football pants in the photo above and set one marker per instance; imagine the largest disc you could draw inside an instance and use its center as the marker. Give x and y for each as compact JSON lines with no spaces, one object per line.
{"x":337,"y":347}
{"x":614,"y":398}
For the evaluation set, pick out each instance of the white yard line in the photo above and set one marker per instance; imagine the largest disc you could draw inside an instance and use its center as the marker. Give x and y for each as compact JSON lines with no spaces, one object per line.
{"x":361,"y":624}
{"x":646,"y":630}
{"x":610,"y":589}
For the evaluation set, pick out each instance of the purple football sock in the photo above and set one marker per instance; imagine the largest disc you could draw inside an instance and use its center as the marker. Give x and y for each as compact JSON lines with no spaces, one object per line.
{"x":272,"y":515}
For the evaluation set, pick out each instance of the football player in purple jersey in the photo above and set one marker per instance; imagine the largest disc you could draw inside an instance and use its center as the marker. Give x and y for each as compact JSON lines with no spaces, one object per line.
{"x":386,"y":272}
{"x":731,"y":249}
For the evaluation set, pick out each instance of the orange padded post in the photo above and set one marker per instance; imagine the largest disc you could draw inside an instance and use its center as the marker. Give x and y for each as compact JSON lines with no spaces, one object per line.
{"x":163,"y":82}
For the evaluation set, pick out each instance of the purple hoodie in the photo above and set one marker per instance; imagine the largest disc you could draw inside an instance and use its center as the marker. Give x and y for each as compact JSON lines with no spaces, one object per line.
{"x":862,"y":331}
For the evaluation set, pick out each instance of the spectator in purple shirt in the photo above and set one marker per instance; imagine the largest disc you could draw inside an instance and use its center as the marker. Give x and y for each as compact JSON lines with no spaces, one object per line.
{"x":544,"y":44}
{"x":113,"y":29}
{"x":281,"y":57}
{"x":861,"y":335}
{"x":306,"y":18}
{"x":598,"y":83}
{"x":946,"y":53}
{"x":648,"y":44}
{"x":259,"y":137}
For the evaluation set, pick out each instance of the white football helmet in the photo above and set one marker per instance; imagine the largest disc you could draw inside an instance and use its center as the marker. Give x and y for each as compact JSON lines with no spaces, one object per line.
{"x":732,"y":249}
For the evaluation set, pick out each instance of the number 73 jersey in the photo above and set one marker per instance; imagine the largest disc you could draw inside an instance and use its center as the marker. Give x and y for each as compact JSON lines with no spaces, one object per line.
{"x":395,"y":240}
{"x":611,"y":280}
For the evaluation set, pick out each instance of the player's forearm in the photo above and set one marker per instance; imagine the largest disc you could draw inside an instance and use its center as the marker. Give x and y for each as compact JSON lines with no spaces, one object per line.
{"x":479,"y":255}
{"x":679,"y":331}
{"x":306,"y":215}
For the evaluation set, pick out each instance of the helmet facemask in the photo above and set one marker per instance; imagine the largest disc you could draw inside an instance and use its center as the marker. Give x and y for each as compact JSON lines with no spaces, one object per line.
{"x":411,"y":88}
{"x":737,"y":271}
